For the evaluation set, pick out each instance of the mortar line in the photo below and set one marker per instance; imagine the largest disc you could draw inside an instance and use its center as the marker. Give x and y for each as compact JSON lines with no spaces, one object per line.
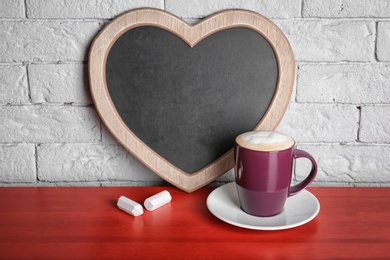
{"x":106,"y":20}
{"x":28,"y":84}
{"x":36,"y":163}
{"x":359,"y":123}
{"x":376,"y":41}
{"x":25,"y":9}
{"x":101,"y":131}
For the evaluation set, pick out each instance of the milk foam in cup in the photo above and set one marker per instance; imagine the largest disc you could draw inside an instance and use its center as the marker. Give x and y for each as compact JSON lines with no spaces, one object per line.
{"x":265,"y":141}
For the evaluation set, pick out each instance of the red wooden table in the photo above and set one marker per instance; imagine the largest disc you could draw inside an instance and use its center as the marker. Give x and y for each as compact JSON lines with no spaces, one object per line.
{"x":84,"y":223}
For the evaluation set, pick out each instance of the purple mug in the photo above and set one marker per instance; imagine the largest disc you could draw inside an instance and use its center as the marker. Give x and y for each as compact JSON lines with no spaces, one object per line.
{"x":263,"y":171}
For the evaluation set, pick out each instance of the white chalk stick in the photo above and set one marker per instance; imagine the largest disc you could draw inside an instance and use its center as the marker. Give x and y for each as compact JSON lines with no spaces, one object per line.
{"x":157,"y":200}
{"x":130,"y":206}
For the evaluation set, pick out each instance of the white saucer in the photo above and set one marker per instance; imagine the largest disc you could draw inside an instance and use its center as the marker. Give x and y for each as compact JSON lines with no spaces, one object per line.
{"x":223,"y":203}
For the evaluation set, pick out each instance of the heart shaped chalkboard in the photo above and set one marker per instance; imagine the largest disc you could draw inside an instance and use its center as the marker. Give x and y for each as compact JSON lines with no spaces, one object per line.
{"x":176,"y":95}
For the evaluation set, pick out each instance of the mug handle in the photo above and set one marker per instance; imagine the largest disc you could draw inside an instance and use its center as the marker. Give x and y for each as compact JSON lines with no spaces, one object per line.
{"x":300,"y":186}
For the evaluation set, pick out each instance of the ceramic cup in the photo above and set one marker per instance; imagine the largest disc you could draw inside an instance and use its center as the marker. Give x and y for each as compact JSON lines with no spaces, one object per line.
{"x":263,"y":171}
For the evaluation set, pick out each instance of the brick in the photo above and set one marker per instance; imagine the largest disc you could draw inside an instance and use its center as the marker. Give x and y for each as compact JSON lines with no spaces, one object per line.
{"x":59,"y":83}
{"x":344,"y":83}
{"x":89,"y":162}
{"x":12,"y":9}
{"x":35,"y":41}
{"x":348,"y":164}
{"x":383,"y":41}
{"x":42,"y":124}
{"x":346,"y":8}
{"x":17,"y":163}
{"x":203,"y":8}
{"x":85,"y":9}
{"x":330,"y":40}
{"x":13,"y":84}
{"x":320,"y":122}
{"x":374,"y":125}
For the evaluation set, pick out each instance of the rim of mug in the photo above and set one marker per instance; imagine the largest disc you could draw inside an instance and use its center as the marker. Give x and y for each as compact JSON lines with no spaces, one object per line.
{"x":268,"y":151}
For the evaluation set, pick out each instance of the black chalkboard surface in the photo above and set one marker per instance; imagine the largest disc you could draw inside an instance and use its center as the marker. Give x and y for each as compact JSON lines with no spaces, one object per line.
{"x":189,"y":104}
{"x":176,"y":95}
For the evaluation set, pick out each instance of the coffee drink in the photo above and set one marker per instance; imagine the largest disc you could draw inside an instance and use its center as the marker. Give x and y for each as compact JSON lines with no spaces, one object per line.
{"x":265,"y":141}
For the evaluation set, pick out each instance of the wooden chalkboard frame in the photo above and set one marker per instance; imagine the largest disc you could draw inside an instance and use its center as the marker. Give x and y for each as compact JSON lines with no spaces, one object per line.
{"x":191,"y":34}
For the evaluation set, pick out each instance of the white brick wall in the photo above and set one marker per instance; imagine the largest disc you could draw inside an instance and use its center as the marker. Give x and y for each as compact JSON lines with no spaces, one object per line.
{"x":50,"y":133}
{"x":59,"y":83}
{"x":46,"y":40}
{"x":65,"y":9}
{"x":88,"y":162}
{"x":13,"y":84}
{"x":330,"y":40}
